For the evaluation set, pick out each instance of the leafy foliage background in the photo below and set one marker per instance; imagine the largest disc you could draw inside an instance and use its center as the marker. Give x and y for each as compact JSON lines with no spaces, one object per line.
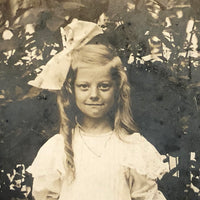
{"x":158,"y":41}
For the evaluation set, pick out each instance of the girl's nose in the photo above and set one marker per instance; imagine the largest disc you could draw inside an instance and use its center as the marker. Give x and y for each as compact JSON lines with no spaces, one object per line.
{"x":94,"y":95}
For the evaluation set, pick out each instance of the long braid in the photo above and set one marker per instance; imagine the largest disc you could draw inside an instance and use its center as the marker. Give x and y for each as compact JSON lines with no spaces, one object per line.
{"x":66,"y":129}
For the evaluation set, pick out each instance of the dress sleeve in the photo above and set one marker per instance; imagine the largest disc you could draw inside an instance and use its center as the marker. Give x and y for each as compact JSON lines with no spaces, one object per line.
{"x":145,"y":166}
{"x":48,"y":169}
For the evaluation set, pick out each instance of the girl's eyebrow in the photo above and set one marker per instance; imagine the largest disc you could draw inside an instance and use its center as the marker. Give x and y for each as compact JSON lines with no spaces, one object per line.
{"x":106,"y":82}
{"x":109,"y":81}
{"x":81,"y":81}
{"x":101,"y":81}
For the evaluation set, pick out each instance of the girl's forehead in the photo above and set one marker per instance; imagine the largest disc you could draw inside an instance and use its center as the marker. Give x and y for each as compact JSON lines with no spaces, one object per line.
{"x":93,"y":72}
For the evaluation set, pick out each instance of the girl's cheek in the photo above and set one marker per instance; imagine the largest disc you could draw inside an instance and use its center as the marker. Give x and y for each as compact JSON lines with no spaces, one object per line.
{"x":80,"y":95}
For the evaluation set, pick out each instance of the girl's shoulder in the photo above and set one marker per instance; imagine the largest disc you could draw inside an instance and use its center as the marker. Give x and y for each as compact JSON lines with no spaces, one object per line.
{"x":56,"y":142}
{"x":141,"y":155}
{"x":135,"y":141}
{"x":50,"y":158}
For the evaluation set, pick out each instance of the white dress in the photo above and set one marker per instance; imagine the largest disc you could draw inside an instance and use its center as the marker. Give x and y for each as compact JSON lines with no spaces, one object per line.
{"x":107,"y":168}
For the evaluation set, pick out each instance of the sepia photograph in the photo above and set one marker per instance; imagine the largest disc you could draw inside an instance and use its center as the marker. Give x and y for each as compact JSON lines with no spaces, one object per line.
{"x":99,"y":100}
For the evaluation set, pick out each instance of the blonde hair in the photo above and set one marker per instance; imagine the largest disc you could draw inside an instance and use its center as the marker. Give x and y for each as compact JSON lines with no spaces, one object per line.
{"x":121,"y":115}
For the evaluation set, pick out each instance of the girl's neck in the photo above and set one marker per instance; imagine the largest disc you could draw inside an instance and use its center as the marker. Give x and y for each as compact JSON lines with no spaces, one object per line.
{"x":96,"y":126}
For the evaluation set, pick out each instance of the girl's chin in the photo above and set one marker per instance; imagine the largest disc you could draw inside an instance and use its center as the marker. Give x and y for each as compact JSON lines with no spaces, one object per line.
{"x":95,"y":116}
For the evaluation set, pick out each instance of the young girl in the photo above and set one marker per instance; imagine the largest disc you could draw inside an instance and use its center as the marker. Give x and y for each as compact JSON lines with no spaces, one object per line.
{"x":98,"y":154}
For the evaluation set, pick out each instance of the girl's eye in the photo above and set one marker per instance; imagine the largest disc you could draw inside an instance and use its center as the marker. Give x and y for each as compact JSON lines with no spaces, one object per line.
{"x":83,"y":87}
{"x":104,"y":86}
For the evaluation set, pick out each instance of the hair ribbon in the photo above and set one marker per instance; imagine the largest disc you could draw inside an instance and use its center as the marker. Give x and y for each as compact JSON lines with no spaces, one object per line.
{"x":74,"y":35}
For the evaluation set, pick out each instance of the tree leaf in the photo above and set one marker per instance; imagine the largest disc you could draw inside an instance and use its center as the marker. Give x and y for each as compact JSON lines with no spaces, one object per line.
{"x":139,"y":4}
{"x":162,"y":58}
{"x":3,"y":1}
{"x":30,"y":16}
{"x":193,"y":85}
{"x":72,"y":5}
{"x":54,"y":23}
{"x":7,"y":45}
{"x":162,"y":3}
{"x":33,"y":92}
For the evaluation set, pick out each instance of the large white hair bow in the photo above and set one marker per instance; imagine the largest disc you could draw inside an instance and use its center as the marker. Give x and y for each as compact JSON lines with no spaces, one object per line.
{"x":74,"y":35}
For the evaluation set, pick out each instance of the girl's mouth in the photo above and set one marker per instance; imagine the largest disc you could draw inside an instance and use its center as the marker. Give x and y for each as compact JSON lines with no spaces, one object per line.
{"x":92,"y":104}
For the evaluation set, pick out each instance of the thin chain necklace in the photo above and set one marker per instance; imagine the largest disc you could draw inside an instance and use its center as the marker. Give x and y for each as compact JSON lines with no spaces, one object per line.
{"x":90,"y":149}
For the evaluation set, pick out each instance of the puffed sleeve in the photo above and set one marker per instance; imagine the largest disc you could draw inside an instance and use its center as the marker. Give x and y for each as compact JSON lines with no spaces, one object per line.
{"x":48,"y":169}
{"x":145,"y":166}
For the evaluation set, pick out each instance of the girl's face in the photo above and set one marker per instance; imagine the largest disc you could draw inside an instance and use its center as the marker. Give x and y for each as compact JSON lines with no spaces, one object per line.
{"x":94,"y":91}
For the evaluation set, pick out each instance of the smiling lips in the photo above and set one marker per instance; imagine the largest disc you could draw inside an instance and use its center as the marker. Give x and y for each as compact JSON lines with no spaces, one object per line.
{"x":91,"y":104}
